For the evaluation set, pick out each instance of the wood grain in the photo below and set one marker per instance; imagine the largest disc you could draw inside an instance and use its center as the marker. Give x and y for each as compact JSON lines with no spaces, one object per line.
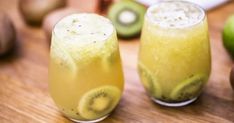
{"x":24,"y":96}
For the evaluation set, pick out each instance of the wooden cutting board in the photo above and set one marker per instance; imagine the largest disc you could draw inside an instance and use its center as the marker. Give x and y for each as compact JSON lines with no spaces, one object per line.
{"x":24,"y":93}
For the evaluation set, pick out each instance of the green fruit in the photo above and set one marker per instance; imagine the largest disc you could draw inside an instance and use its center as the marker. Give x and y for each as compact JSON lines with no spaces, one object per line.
{"x":99,"y":102}
{"x":189,"y":88}
{"x":72,"y":113}
{"x":109,"y":60}
{"x":61,"y":57}
{"x":127,"y":17}
{"x":109,"y":54}
{"x":149,"y":82}
{"x":228,"y":35}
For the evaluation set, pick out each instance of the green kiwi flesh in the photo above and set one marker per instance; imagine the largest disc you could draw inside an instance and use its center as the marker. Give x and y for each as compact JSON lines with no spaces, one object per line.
{"x":189,"y":88}
{"x":99,"y":102}
{"x":149,"y":82}
{"x":127,"y":17}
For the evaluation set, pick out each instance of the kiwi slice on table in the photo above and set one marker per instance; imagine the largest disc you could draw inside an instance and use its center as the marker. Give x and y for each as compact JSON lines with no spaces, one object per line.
{"x":188,"y":88}
{"x":149,"y":82}
{"x":99,"y":102}
{"x":127,"y":17}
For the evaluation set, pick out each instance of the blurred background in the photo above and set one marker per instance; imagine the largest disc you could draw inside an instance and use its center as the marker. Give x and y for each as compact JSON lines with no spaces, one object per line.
{"x":25,"y":32}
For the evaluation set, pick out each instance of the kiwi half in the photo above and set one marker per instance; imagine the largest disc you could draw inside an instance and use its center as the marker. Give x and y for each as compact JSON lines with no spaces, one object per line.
{"x":149,"y":82}
{"x":127,"y":17}
{"x":99,"y":102}
{"x":189,"y":88}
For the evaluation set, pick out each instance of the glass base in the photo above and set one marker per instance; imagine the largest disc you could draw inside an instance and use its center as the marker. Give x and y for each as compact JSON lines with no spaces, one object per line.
{"x":179,"y":104}
{"x":89,"y":121}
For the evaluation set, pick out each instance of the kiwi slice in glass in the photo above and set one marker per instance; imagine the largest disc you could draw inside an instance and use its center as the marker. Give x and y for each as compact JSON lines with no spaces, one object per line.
{"x":99,"y":102}
{"x":189,"y":88}
{"x":127,"y":17}
{"x":109,"y":54}
{"x":62,"y":57}
{"x":149,"y":82}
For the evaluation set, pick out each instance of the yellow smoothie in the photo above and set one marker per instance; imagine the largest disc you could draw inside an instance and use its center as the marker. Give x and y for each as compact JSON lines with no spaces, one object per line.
{"x":174,"y":57}
{"x":85,"y":73}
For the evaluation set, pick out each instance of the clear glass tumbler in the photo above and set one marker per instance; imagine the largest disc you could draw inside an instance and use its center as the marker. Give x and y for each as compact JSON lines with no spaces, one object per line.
{"x":85,"y":72}
{"x":174,"y":57}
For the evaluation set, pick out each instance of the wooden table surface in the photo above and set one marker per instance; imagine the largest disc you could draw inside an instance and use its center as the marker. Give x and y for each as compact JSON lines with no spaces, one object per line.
{"x":24,"y":96}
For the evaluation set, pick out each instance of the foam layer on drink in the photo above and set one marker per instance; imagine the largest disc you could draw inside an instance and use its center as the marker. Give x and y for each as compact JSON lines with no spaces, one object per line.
{"x":82,"y":39}
{"x":82,"y":29}
{"x":175,"y":14}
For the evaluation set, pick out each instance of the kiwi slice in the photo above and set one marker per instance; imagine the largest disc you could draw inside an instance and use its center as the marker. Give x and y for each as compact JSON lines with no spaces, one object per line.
{"x":188,"y":88}
{"x":61,"y":57}
{"x":109,"y":56}
{"x":99,"y":102}
{"x":149,"y":82}
{"x":109,"y":60}
{"x":127,"y":17}
{"x":72,"y":113}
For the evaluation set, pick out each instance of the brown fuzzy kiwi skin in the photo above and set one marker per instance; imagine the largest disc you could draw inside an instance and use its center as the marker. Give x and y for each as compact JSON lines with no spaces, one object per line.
{"x":33,"y":11}
{"x":7,"y":34}
{"x":232,"y":77}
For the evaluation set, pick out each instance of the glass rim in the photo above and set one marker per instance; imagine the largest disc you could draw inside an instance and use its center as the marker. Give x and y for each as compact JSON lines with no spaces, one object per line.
{"x":203,"y":14}
{"x":113,"y":31}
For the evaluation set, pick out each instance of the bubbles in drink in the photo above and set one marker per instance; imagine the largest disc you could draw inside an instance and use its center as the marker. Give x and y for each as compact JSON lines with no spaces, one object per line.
{"x":175,"y":14}
{"x":84,"y":36}
{"x":81,"y":29}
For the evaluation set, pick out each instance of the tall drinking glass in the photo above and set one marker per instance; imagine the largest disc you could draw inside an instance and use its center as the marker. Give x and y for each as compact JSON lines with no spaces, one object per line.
{"x":85,"y":73}
{"x":174,"y":57}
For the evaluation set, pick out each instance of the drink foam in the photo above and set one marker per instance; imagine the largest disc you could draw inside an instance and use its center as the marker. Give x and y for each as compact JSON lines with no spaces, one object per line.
{"x":175,"y":14}
{"x":81,"y":29}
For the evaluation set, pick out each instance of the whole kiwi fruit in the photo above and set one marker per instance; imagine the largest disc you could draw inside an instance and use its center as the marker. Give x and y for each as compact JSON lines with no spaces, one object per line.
{"x":33,"y":11}
{"x":7,"y":34}
{"x":232,"y":77}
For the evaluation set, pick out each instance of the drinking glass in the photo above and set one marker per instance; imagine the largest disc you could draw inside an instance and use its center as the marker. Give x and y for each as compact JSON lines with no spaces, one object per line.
{"x":85,"y":72}
{"x":174,"y":57}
